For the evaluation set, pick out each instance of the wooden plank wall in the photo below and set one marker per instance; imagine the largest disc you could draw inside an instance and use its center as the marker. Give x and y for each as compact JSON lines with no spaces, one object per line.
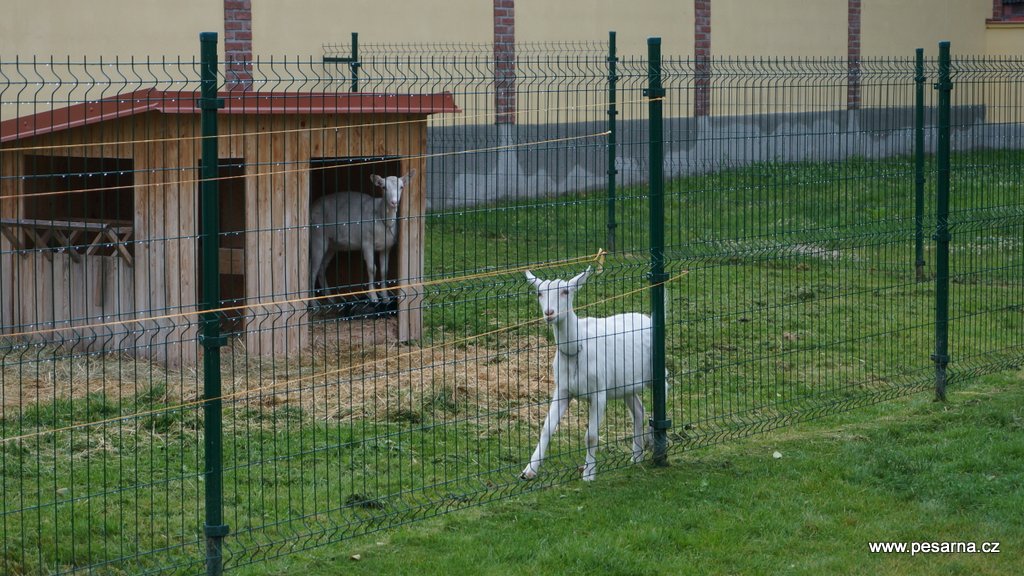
{"x":276,"y":152}
{"x":166,"y":159}
{"x":411,"y":233}
{"x":9,"y":208}
{"x":59,"y":294}
{"x":77,"y":302}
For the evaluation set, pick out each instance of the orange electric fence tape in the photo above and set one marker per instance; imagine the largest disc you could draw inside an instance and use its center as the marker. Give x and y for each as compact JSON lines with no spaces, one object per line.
{"x":198,"y":312}
{"x":599,"y":257}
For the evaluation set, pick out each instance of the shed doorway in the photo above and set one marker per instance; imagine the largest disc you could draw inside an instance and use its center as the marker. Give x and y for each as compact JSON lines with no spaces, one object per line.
{"x":346,"y":271}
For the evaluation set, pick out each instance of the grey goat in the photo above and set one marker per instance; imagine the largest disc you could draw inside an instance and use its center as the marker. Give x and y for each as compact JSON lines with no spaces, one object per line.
{"x":353,"y":221}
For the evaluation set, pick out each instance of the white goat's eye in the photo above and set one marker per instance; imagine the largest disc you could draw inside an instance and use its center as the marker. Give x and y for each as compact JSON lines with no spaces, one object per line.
{"x":565,"y":292}
{"x":540,"y":294}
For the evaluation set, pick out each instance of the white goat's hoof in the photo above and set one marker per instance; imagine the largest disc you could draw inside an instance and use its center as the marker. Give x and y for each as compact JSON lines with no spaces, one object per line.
{"x":638,"y":458}
{"x":588,"y":473}
{"x":528,"y":474}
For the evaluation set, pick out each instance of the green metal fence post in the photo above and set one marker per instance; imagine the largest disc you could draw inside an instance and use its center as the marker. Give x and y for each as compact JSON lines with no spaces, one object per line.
{"x":656,"y":165}
{"x":942,"y":235}
{"x":352,"y":60}
{"x":210,"y":338}
{"x":919,"y":79}
{"x":613,"y":111}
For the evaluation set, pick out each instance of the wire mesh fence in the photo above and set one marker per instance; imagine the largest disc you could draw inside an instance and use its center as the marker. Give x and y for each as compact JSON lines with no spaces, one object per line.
{"x":412,"y":377}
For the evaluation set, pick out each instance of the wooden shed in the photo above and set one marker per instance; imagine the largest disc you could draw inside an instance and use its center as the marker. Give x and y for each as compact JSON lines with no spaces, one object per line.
{"x":99,"y":211}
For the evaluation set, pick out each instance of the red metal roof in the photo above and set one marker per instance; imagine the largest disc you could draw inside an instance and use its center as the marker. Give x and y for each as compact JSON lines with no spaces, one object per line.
{"x":168,"y":102}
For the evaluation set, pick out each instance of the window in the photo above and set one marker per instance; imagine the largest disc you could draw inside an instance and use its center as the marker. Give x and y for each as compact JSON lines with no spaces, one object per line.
{"x":79,"y":205}
{"x":98,"y":189}
{"x":1008,"y":11}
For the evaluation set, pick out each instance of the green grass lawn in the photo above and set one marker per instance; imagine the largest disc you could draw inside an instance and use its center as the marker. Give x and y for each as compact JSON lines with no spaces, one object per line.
{"x":911,"y":470}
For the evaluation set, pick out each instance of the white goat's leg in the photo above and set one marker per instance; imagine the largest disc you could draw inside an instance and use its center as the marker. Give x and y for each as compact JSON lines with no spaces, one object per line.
{"x":318,"y":248}
{"x":322,"y":275}
{"x":635,"y":405}
{"x":559,"y":404}
{"x":368,"y":257}
{"x":597,"y":406}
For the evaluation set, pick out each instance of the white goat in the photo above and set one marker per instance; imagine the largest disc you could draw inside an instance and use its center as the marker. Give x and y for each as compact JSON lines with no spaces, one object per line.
{"x":350,"y":221}
{"x":597,"y":359}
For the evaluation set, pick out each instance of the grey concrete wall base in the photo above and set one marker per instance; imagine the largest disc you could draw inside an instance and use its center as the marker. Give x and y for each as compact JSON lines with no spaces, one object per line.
{"x":519,"y":165}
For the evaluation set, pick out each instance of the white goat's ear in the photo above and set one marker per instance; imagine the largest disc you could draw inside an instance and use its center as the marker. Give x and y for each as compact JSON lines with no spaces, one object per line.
{"x":580,"y":278}
{"x":533,"y":279}
{"x":377,"y":180}
{"x":409,"y":176}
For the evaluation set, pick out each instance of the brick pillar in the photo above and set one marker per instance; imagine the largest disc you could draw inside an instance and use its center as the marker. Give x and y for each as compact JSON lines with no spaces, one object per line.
{"x":505,"y":61}
{"x":702,"y":57}
{"x":238,"y":43}
{"x":853,"y":55}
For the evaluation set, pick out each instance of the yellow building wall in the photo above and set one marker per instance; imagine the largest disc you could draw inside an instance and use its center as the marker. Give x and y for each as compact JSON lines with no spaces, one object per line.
{"x":282,"y":28}
{"x":1005,"y":39}
{"x":741,"y":28}
{"x":891,"y":28}
{"x":116,"y":28}
{"x":301,"y":29}
{"x":304,"y":27}
{"x":633,"y":23}
{"x":106,"y":28}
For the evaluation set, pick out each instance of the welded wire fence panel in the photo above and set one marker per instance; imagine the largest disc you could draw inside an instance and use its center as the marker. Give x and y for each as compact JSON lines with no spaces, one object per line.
{"x":796,"y":230}
{"x":357,"y":397}
{"x":431,"y":398}
{"x":987,"y":216}
{"x":796,"y":226}
{"x":101,"y":460}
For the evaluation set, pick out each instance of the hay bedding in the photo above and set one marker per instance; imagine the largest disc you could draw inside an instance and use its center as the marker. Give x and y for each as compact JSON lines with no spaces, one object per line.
{"x":353,"y":369}
{"x":361,"y":372}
